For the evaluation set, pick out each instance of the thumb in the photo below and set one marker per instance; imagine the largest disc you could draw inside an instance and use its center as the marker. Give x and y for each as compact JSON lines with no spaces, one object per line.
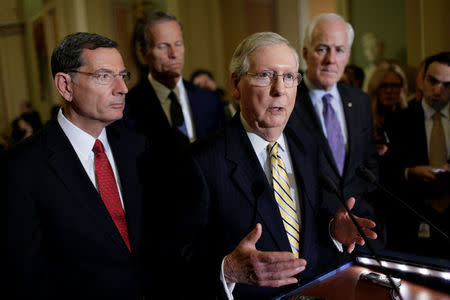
{"x":351,"y":202}
{"x":254,"y":235}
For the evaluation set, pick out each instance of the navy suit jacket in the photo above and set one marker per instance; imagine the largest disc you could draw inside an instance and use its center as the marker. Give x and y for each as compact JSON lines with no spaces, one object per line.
{"x":60,"y":239}
{"x":143,"y":113}
{"x":234,"y":195}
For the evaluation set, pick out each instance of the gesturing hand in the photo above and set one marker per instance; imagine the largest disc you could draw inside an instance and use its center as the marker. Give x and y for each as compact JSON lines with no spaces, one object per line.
{"x":343,"y":229}
{"x":248,"y":265}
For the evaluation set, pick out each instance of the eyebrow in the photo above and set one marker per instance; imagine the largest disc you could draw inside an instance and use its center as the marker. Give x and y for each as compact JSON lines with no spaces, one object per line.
{"x":104,"y":70}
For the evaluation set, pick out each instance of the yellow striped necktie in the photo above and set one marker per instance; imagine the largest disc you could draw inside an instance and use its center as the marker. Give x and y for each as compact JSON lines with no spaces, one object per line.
{"x":282,"y":192}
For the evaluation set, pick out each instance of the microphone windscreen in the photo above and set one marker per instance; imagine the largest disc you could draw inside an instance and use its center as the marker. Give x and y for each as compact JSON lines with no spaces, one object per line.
{"x":366,"y":174}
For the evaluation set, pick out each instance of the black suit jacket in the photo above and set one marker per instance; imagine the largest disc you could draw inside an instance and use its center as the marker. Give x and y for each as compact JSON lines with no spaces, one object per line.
{"x":61,"y":242}
{"x":360,"y":151}
{"x":144,"y":114}
{"x":233,"y":195}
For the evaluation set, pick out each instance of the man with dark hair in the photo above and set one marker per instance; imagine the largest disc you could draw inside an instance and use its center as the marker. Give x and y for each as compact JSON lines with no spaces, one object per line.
{"x":167,"y":109}
{"x":71,"y":194}
{"x":420,"y":146}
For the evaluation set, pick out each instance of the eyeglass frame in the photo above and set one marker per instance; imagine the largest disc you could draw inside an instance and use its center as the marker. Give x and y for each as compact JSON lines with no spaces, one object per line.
{"x":298,"y":78}
{"x":97,"y":76}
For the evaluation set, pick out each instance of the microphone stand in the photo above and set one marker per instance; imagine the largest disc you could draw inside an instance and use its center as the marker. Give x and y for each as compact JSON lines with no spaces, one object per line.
{"x":331,"y":187}
{"x":367,"y":175}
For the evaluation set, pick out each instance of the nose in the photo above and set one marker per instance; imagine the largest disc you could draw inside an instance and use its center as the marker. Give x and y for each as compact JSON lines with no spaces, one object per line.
{"x":278,"y":87}
{"x":331,"y":56}
{"x":173,"y":53}
{"x":120,"y":87}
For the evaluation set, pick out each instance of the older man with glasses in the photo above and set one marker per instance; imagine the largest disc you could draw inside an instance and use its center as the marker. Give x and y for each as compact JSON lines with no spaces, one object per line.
{"x":256,"y":208}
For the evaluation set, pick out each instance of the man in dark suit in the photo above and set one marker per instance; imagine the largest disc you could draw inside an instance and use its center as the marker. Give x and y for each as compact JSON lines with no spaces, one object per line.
{"x":337,"y":115}
{"x":71,"y":194}
{"x":420,"y":145}
{"x":254,"y":219}
{"x":167,"y":109}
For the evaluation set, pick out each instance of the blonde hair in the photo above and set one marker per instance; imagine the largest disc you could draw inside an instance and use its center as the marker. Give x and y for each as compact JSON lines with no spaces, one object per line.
{"x":374,"y":84}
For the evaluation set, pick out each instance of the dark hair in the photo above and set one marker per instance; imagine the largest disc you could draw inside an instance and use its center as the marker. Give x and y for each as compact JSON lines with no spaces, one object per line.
{"x":66,"y":55}
{"x":359,"y":73}
{"x":443,"y":58}
{"x":150,"y":20}
{"x":199,"y":72}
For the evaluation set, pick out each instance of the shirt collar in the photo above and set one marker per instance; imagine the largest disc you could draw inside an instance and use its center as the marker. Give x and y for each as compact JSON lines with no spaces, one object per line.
{"x":162,"y":92}
{"x":316,"y":93}
{"x":81,"y":141}
{"x":258,"y":143}
{"x":429,"y":111}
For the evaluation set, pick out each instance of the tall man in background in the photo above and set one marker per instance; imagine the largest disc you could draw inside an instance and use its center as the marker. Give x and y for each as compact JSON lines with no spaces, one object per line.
{"x":71,"y":194}
{"x":164,"y":107}
{"x":338,"y":116}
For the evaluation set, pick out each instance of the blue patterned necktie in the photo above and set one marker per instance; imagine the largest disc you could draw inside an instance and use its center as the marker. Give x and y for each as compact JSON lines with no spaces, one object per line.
{"x":282,"y":193}
{"x":334,"y":133}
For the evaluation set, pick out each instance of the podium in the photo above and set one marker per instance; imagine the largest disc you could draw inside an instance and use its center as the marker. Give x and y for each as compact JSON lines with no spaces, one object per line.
{"x":344,"y":284}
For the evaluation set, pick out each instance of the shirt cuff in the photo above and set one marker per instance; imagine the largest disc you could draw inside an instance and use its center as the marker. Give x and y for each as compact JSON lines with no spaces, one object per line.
{"x":335,"y":242}
{"x":227,"y":287}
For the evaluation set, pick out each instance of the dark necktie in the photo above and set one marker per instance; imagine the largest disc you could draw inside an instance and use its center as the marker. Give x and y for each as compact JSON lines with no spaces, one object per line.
{"x":176,"y":114}
{"x":334,"y":133}
{"x":438,"y":149}
{"x":109,"y":193}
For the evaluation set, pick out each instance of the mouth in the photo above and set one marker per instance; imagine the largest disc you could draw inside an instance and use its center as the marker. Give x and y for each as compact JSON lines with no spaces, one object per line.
{"x":276,"y":109}
{"x":119,"y":105}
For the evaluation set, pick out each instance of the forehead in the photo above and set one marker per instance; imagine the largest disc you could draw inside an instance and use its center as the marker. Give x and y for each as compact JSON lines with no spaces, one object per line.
{"x":275,"y":56}
{"x":102,"y":58}
{"x":330,"y":32}
{"x":439,"y":70}
{"x":166,"y":30}
{"x":392,"y":76}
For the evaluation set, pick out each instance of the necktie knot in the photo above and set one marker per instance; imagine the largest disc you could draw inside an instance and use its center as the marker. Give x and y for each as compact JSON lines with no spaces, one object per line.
{"x":273,"y":148}
{"x":98,"y":147}
{"x":327,"y":99}
{"x":437,"y":116}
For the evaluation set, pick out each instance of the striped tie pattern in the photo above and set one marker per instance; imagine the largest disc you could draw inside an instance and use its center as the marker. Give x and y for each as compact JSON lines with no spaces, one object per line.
{"x":282,"y":192}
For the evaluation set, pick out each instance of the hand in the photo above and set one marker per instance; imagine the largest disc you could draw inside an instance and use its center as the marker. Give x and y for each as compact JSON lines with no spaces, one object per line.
{"x":248,"y":265}
{"x":381,"y":149}
{"x":421,"y":173}
{"x":343,"y":229}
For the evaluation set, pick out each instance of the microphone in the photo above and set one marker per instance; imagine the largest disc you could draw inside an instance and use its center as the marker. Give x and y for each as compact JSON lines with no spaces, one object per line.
{"x":331,"y":187}
{"x":367,"y":175}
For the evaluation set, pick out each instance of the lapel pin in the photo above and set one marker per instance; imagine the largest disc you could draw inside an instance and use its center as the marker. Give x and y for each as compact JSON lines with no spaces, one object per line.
{"x":350,"y":104}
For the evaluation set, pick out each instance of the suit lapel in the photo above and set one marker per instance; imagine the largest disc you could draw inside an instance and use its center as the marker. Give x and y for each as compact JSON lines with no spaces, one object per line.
{"x":67,"y":166}
{"x":307,"y":115}
{"x":249,"y":177}
{"x":352,"y":123}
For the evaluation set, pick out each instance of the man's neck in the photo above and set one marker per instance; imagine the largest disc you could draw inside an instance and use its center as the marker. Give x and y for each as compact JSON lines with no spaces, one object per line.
{"x":169,"y":82}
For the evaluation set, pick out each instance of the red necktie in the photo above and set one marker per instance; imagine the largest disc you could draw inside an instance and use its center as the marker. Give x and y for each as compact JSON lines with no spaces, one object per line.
{"x":107,"y":188}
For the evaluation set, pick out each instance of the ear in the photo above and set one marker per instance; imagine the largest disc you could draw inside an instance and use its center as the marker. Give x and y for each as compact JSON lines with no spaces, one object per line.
{"x":235,"y":79}
{"x":304,"y":53}
{"x":63,"y":83}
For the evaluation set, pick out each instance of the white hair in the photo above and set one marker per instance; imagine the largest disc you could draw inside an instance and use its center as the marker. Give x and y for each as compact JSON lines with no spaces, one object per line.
{"x":239,"y":64}
{"x":325,"y":17}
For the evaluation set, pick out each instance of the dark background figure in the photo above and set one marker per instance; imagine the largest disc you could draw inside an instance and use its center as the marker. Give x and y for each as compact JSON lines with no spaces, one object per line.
{"x":26,"y":124}
{"x":420,"y":144}
{"x":354,"y":76}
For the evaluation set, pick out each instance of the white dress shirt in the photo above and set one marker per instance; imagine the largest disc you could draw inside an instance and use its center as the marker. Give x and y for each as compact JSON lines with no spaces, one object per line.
{"x":82,"y":142}
{"x":445,"y":119}
{"x":162,"y":92}
{"x":316,"y":98}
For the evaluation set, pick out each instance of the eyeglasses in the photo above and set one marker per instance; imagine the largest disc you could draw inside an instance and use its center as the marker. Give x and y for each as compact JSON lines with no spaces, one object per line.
{"x":105,"y":77}
{"x":392,"y":86}
{"x":266,"y":78}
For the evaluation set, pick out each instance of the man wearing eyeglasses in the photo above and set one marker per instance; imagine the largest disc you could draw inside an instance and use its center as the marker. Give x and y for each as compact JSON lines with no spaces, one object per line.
{"x":71,"y":193}
{"x":255,"y":211}
{"x":338,"y":116}
{"x":420,"y":146}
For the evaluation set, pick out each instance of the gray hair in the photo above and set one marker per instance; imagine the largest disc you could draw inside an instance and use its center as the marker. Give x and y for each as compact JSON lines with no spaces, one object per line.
{"x":322,"y":17}
{"x":239,"y":64}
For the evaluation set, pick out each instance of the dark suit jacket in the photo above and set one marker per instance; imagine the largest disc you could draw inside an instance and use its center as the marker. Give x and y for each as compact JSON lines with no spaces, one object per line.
{"x":233,"y":195}
{"x":409,"y":148}
{"x":143,"y":113}
{"x":61,"y":242}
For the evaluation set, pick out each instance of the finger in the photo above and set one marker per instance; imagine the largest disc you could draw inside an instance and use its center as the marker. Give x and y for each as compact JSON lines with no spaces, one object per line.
{"x":370,"y":234}
{"x":277,"y":283}
{"x":254,"y":235}
{"x":365,"y":223}
{"x":350,"y":248}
